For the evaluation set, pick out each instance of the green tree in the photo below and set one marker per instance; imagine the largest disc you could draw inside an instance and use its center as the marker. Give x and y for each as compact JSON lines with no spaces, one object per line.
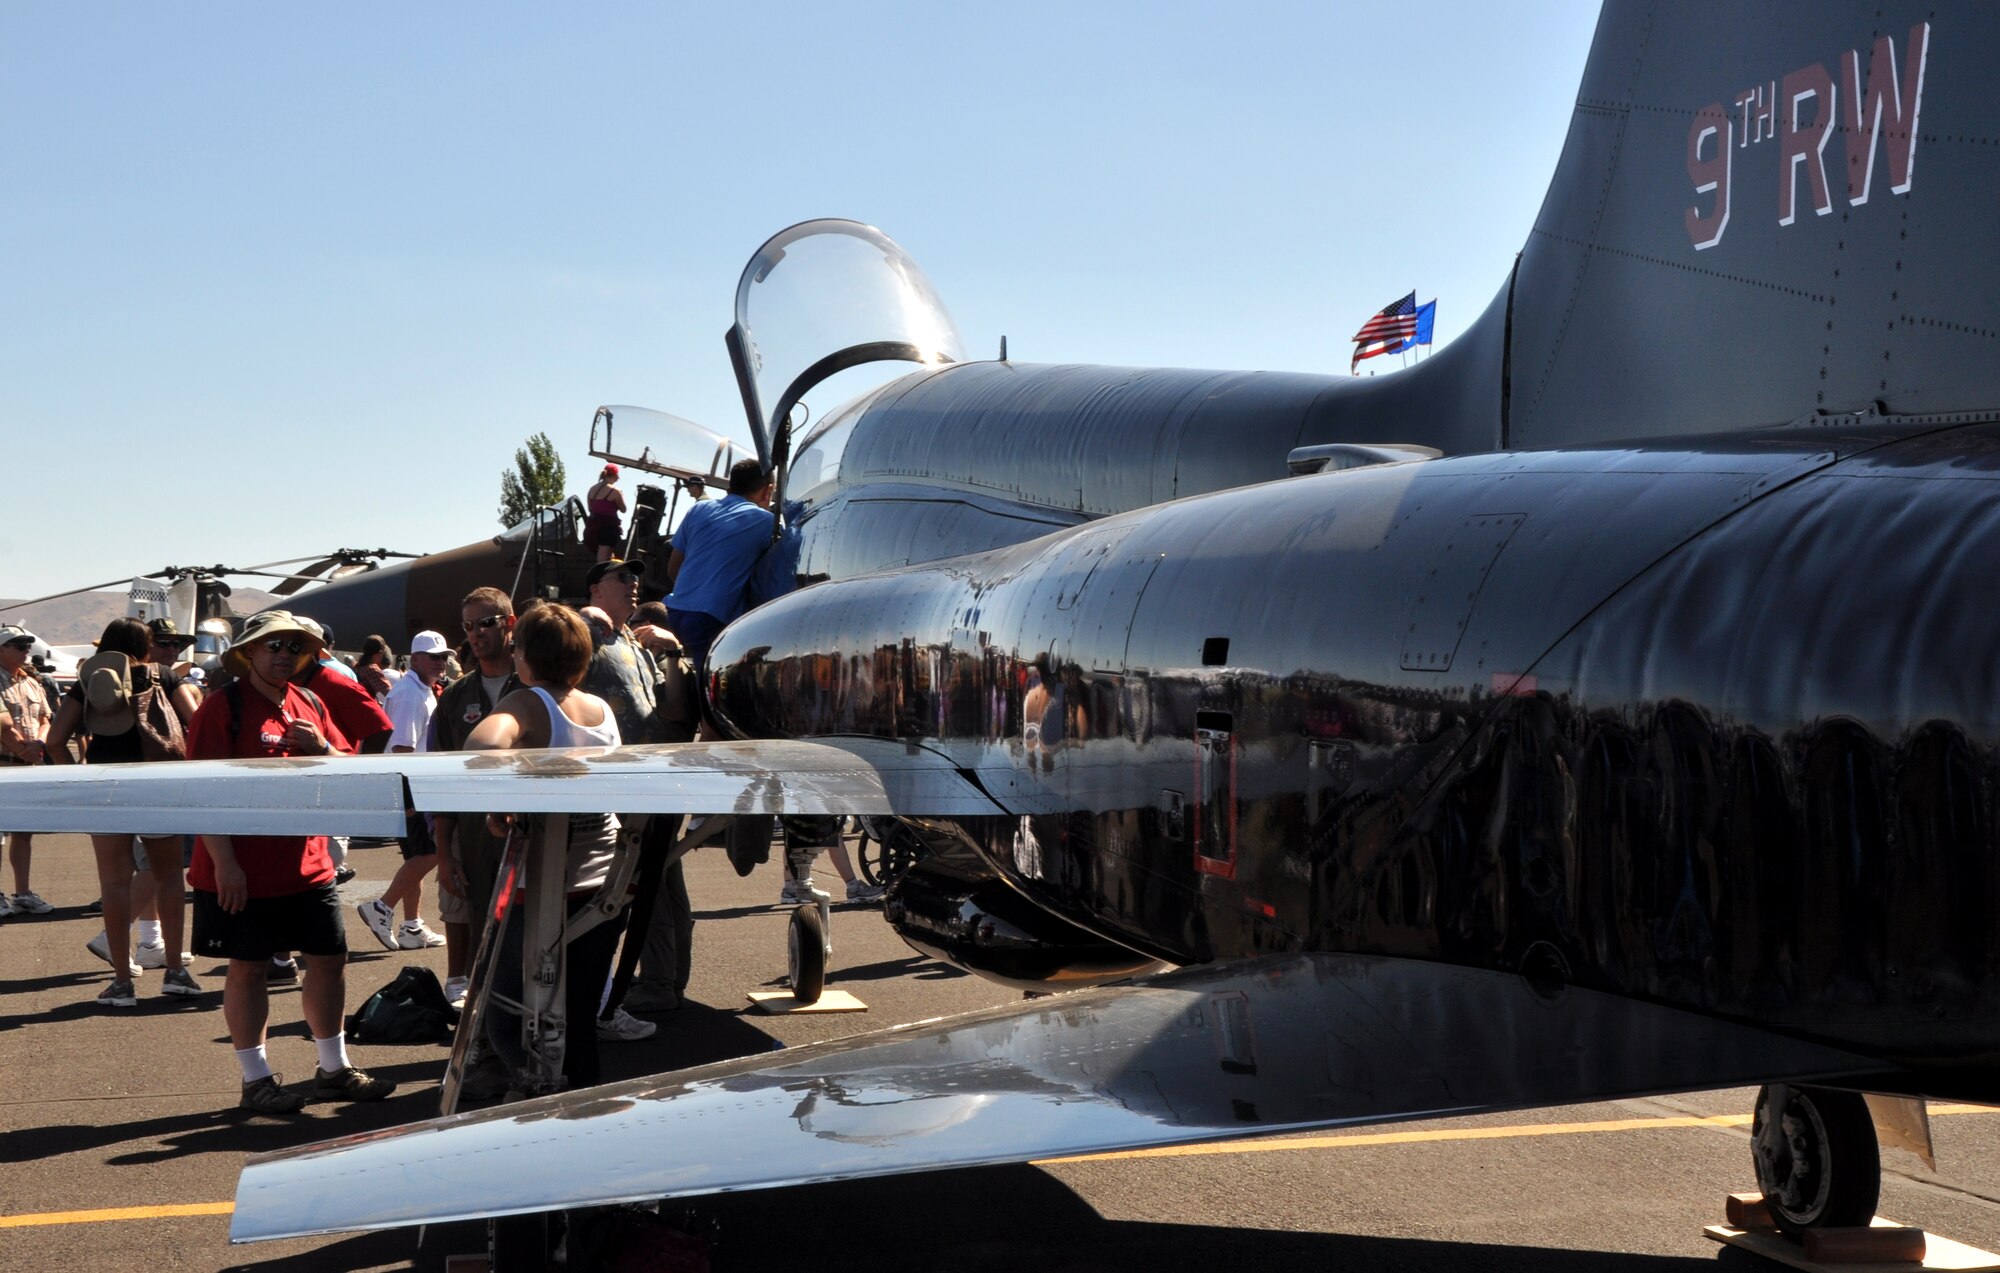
{"x":536,"y":479}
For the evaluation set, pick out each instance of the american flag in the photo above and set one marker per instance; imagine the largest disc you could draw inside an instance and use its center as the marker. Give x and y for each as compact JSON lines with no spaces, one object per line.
{"x":1387,"y":330}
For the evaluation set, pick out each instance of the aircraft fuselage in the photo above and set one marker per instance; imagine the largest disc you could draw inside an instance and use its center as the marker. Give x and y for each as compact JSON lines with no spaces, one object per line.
{"x":1709,"y":724}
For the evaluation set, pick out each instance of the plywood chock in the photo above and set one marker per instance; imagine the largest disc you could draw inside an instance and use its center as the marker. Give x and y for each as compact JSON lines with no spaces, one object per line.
{"x":1747,"y":1211}
{"x":781,"y":1003}
{"x":1883,"y":1247}
{"x":1887,"y":1244}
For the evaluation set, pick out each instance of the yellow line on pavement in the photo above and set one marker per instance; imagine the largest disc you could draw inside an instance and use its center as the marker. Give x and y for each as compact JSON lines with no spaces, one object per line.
{"x":172,"y":1210}
{"x":1520,"y":1131}
{"x":118,"y":1213}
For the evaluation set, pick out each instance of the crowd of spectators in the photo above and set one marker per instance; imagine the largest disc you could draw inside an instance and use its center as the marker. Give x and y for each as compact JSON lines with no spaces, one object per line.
{"x":614,"y":671}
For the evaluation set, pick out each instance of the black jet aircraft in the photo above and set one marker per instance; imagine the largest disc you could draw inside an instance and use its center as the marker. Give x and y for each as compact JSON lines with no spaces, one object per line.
{"x":1643,"y":739}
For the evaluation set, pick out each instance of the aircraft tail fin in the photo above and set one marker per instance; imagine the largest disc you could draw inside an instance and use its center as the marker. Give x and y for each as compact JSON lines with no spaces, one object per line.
{"x":1759,"y":214}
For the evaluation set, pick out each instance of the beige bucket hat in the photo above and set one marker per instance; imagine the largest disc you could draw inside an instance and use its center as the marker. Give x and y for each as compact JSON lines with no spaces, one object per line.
{"x":261,"y":627}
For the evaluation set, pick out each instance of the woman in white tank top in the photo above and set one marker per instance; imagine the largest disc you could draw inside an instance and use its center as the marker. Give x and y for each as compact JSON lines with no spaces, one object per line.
{"x":552,"y":650}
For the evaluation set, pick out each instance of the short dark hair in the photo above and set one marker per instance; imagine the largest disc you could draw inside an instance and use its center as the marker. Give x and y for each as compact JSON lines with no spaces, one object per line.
{"x":555,"y":643}
{"x":375,"y":649}
{"x":499,"y":600}
{"x":129,"y":637}
{"x":747,"y":477}
{"x":653,"y":612}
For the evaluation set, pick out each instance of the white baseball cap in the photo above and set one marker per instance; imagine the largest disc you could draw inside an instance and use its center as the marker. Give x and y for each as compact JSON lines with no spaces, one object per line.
{"x":428,"y":642}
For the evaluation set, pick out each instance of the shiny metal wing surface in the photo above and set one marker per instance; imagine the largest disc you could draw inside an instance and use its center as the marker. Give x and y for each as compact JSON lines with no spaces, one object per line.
{"x":316,"y":796}
{"x":1242,"y":1049}
{"x":364,"y":795}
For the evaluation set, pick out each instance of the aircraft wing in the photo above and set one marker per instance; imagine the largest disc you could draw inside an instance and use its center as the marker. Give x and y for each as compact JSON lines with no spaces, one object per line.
{"x":363,"y":795}
{"x":1243,"y":1049}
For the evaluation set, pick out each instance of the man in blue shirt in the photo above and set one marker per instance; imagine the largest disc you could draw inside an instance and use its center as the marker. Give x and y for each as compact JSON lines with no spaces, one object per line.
{"x":716,"y":551}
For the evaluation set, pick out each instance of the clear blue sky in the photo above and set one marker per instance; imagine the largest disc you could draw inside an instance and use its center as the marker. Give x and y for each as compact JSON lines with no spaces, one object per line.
{"x":279,"y":278}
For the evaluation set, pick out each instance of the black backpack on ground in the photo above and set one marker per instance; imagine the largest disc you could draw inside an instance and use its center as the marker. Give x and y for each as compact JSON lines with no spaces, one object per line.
{"x":410,"y":1009}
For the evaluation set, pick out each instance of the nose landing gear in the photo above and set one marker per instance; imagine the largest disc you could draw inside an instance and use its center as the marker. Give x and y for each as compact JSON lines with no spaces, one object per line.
{"x":1817,"y":1159}
{"x":809,"y":946}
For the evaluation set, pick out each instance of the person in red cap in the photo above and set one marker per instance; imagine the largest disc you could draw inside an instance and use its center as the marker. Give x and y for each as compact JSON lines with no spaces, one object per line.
{"x":604,"y":502}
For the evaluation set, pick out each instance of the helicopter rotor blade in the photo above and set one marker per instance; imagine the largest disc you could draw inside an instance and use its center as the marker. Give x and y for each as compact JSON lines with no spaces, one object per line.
{"x":307,"y":574}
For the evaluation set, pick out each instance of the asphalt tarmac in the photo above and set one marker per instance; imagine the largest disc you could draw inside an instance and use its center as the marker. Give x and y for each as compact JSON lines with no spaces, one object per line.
{"x":122,"y":1143}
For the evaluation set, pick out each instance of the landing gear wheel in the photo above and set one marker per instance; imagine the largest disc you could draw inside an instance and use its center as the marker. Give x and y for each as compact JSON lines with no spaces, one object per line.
{"x":882,"y":860}
{"x":1817,"y":1161}
{"x":805,"y":939}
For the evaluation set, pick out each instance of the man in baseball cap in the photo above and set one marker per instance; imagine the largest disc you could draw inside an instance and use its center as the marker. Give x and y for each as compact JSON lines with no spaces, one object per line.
{"x":412,"y":701}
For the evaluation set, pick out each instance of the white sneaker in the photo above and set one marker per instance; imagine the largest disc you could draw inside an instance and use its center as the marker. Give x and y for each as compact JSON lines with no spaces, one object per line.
{"x":100,"y":946}
{"x":863,"y":891}
{"x":416,"y":935}
{"x":154,"y":955}
{"x":28,"y":903}
{"x":454,"y":991}
{"x":381,"y":921}
{"x":6,"y":911}
{"x":622,"y":1027}
{"x":798,"y":891}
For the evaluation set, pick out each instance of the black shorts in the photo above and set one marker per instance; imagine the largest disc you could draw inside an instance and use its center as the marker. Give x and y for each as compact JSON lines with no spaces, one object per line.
{"x":310,"y":923}
{"x":417,"y":841}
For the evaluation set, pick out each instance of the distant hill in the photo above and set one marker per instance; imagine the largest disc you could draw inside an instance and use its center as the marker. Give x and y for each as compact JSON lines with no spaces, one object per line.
{"x":79,"y":620}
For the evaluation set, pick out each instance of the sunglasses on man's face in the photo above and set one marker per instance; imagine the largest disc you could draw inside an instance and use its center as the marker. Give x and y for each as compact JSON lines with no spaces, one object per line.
{"x":21,"y":645}
{"x":490,"y":621}
{"x":280,"y":645}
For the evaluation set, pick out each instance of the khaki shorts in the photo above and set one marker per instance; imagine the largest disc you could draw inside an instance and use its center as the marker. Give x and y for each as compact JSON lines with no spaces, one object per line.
{"x":453,"y":910}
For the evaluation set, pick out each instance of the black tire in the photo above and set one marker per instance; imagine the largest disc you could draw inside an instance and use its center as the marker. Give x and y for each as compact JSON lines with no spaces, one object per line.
{"x":805,"y":940}
{"x":883,"y":861}
{"x":1817,"y":1160}
{"x":870,"y":857}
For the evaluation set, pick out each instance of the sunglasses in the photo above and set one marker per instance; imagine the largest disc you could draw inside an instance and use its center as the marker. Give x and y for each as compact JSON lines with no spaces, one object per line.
{"x":279,"y":645}
{"x":20,"y":645}
{"x":490,"y":621}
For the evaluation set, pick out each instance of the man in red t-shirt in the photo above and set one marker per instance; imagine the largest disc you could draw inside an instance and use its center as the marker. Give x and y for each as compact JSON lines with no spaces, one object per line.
{"x":256,"y":895}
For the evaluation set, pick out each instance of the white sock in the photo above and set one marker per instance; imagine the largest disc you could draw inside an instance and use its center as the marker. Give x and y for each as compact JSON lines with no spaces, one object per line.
{"x":255,"y":1064}
{"x":149,"y":932}
{"x":414,"y":924}
{"x":332,"y":1052}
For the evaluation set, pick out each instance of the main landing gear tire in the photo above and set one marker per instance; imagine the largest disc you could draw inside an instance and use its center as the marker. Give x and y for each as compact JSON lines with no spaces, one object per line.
{"x":1817,"y":1160}
{"x":883,"y":860}
{"x":805,"y":939}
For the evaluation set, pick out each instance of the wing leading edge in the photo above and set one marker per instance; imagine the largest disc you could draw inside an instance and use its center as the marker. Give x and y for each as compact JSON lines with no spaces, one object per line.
{"x":363,"y":795}
{"x":1244,"y":1049}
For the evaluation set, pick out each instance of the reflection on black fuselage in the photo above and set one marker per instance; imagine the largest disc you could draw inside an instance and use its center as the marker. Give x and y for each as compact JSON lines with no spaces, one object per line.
{"x":1714,"y":727}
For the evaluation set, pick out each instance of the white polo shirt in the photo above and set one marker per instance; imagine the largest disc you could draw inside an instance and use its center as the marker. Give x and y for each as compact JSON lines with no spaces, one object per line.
{"x":410,"y":704}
